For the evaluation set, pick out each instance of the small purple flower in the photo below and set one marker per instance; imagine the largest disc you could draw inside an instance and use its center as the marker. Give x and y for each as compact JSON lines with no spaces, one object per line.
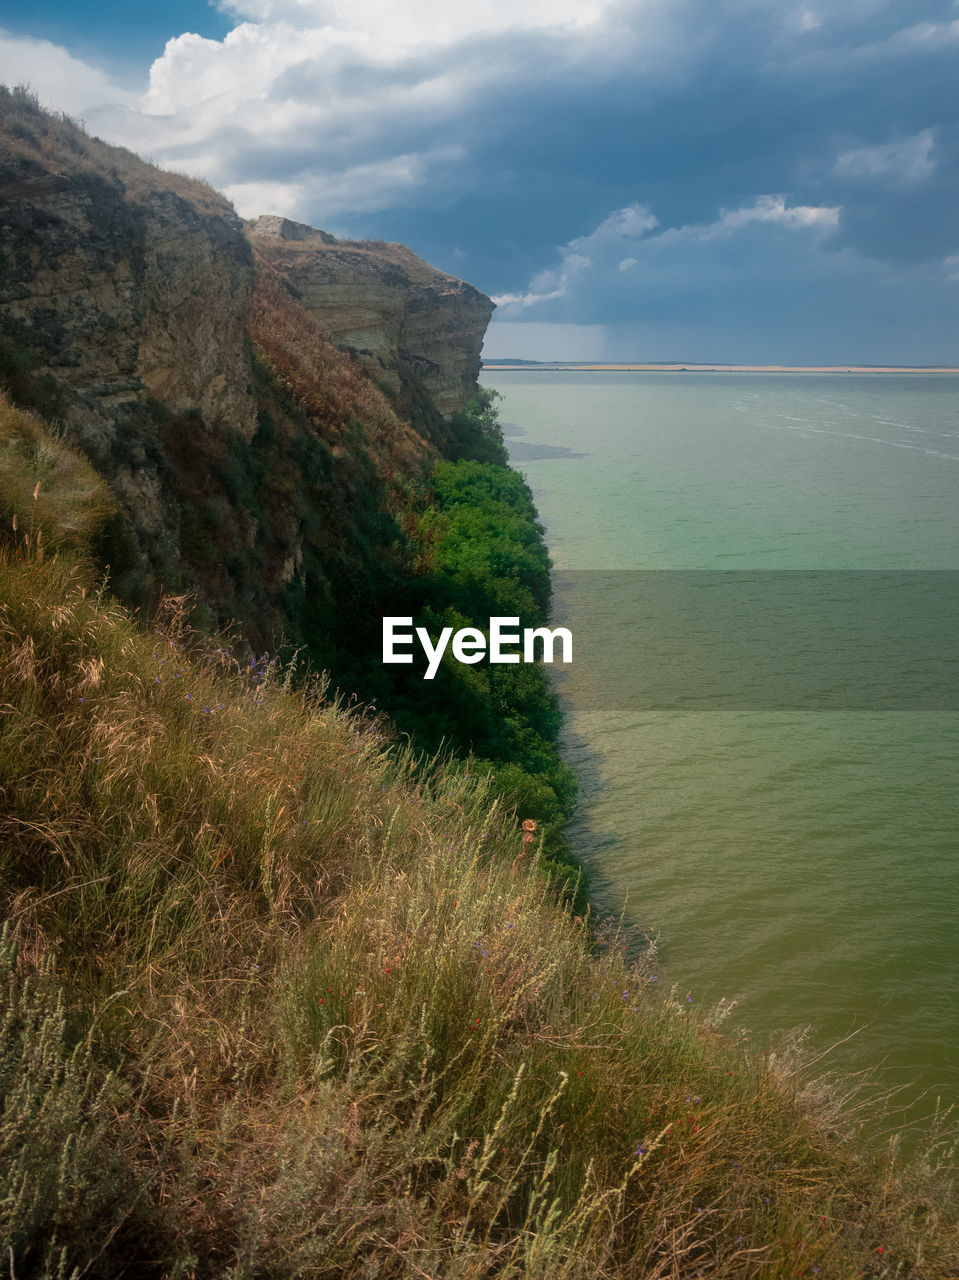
{"x":640,"y":1149}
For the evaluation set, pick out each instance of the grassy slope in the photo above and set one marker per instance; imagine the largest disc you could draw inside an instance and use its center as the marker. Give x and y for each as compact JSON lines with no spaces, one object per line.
{"x":274,"y":1003}
{"x":278,"y":1009}
{"x":36,"y":142}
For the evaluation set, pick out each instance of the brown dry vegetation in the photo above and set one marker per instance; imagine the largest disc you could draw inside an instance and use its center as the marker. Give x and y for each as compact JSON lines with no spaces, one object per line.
{"x":278,"y":1004}
{"x":36,"y":143}
{"x":275,"y":252}
{"x":330,"y":387}
{"x":51,"y":488}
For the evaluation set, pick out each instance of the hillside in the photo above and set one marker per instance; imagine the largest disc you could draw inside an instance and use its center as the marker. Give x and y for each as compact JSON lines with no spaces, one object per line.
{"x":287,"y":983}
{"x":135,"y":312}
{"x":278,"y":1004}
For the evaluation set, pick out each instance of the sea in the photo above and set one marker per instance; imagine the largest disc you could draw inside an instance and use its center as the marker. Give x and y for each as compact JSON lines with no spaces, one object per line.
{"x":761,"y":574}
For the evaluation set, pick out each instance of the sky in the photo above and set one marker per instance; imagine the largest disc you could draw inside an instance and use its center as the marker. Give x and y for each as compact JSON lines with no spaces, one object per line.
{"x":745,"y":181}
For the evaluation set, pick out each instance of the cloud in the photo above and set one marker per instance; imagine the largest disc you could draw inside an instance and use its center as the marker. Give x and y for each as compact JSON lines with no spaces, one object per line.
{"x":524,"y":144}
{"x":767,"y":209}
{"x":631,"y":225}
{"x":547,"y":286}
{"x":362,"y":188}
{"x":625,"y":224}
{"x":386,"y":29}
{"x":907,"y":161}
{"x":59,"y":80}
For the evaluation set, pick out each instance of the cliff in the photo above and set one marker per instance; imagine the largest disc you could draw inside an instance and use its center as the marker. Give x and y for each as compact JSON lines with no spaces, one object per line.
{"x":200,"y":368}
{"x":403,"y":320}
{"x":123,"y":295}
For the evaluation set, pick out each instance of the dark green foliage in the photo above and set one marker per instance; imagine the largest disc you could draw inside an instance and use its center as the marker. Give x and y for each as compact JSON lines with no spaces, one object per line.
{"x":487,"y":558}
{"x":480,"y":554}
{"x":476,"y":431}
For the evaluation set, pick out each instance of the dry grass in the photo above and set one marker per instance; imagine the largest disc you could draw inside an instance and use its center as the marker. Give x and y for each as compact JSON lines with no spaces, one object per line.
{"x":306,"y":1009}
{"x":381,"y":254}
{"x":47,"y":488}
{"x":327,"y":384}
{"x":31,"y":136}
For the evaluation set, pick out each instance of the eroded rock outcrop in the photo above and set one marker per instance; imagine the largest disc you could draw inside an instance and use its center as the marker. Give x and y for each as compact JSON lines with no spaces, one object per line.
{"x":401,"y":318}
{"x":252,"y":462}
{"x":123,"y":283}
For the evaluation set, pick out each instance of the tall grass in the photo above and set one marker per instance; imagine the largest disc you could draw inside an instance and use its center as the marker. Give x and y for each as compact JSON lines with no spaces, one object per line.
{"x":51,"y":488}
{"x":31,"y":136}
{"x":327,"y":384}
{"x":280,"y":1002}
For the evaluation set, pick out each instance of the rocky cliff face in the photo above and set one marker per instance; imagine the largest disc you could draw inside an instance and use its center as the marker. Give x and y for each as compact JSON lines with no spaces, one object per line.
{"x":253,"y":462}
{"x":123,"y":283}
{"x":123,"y":292}
{"x":401,"y":318}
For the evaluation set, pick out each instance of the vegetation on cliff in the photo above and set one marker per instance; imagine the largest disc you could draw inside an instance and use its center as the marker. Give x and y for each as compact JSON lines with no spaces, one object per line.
{"x":283,"y":994}
{"x":258,"y":467}
{"x":279,"y":1002}
{"x":447,"y":543}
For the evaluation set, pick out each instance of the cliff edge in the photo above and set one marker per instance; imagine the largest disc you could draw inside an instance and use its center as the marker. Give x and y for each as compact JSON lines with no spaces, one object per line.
{"x":258,"y":401}
{"x":403,"y":320}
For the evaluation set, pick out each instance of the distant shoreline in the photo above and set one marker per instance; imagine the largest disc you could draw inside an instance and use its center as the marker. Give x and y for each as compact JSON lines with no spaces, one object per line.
{"x":570,"y":367}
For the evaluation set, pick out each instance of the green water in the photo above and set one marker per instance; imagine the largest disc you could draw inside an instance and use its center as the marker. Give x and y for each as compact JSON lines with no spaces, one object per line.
{"x":802,"y":862}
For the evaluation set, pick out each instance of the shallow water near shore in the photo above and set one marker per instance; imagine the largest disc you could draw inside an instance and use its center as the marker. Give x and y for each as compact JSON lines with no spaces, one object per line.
{"x":800,"y":860}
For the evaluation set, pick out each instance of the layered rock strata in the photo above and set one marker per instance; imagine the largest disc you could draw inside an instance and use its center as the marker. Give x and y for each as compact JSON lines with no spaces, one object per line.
{"x":401,"y":318}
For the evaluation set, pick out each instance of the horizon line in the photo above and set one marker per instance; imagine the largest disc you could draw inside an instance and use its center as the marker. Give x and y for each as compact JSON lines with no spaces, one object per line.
{"x":506,"y":363}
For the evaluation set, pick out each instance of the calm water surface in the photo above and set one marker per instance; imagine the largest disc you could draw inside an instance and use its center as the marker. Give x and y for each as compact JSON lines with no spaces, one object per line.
{"x":803,"y":862}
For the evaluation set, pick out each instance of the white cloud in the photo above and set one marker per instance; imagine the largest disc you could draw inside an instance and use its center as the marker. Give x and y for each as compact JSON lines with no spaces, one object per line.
{"x":384,"y":28}
{"x":624,"y":224}
{"x":547,"y":286}
{"x":299,"y":104}
{"x":631,"y":225}
{"x":359,"y":189}
{"x":59,"y":80}
{"x":767,"y":209}
{"x":907,"y":161}
{"x":952,"y":266}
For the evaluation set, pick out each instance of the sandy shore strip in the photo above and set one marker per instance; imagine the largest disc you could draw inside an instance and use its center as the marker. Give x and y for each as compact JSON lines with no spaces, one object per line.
{"x":559,"y":367}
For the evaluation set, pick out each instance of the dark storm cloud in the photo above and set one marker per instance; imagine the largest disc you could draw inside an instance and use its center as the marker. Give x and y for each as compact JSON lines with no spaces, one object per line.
{"x":497,"y":151}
